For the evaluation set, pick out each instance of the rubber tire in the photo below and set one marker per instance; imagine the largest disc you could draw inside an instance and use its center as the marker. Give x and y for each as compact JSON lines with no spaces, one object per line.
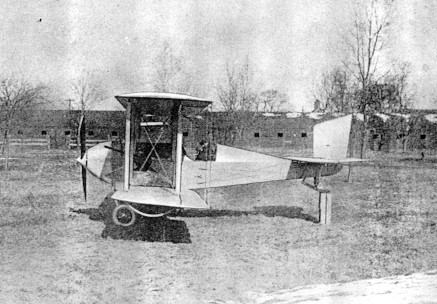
{"x":123,"y":208}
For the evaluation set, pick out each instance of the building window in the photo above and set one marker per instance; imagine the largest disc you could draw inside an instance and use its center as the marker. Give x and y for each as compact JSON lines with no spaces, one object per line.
{"x":67,"y":133}
{"x":304,"y":134}
{"x":90,"y":133}
{"x":114,"y":133}
{"x":422,"y":136}
{"x":185,"y":134}
{"x":280,"y":135}
{"x":256,"y":134}
{"x":43,"y":132}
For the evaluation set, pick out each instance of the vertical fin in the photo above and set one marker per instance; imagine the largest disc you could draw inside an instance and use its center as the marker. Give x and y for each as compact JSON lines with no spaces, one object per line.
{"x":331,"y":138}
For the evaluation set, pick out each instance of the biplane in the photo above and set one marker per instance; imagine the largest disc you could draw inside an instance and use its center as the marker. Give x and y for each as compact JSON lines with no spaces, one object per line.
{"x":153,"y":173}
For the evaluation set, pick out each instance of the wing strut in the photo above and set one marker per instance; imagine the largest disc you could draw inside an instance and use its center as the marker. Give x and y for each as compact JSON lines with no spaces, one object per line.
{"x":128,"y":148}
{"x":82,"y":144}
{"x":179,"y":138}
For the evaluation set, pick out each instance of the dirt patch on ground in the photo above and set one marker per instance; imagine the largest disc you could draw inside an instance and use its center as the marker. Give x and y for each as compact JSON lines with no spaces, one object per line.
{"x":55,"y":248}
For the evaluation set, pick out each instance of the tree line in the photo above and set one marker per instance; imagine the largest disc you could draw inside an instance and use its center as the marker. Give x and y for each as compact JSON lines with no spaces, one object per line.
{"x":358,"y":83}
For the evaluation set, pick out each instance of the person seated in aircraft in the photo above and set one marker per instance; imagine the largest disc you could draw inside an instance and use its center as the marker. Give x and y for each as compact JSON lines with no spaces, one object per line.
{"x":202,"y":151}
{"x":205,"y":151}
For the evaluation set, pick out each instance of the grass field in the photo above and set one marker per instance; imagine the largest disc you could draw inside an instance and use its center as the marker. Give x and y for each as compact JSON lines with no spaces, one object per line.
{"x":56,"y":248}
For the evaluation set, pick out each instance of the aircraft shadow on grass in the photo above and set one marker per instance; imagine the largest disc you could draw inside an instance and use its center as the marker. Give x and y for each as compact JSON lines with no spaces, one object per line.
{"x":167,"y":229}
{"x":269,"y":211}
{"x":160,"y":229}
{"x":422,"y":159}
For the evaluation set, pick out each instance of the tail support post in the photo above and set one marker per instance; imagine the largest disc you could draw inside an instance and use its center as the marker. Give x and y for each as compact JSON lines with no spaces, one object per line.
{"x":325,"y":203}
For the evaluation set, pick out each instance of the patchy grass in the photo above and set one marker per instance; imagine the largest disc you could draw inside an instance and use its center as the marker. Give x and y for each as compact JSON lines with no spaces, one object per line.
{"x":260,"y":237}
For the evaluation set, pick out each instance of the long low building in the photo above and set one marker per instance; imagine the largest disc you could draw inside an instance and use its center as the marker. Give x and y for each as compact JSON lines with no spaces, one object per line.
{"x":409,"y":130}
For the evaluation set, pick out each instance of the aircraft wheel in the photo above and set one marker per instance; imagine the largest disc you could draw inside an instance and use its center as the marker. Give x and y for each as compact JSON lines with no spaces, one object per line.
{"x":123,"y":215}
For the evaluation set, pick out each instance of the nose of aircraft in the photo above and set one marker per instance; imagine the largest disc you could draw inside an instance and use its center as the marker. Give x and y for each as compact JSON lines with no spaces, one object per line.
{"x":97,"y":160}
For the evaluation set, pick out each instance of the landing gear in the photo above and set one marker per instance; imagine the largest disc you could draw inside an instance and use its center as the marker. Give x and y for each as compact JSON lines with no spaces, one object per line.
{"x":123,"y":215}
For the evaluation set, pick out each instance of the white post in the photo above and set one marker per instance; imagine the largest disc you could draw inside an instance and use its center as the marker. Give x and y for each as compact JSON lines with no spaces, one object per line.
{"x":178,"y":163}
{"x":325,"y":203}
{"x":179,"y":140}
{"x":127,"y":146}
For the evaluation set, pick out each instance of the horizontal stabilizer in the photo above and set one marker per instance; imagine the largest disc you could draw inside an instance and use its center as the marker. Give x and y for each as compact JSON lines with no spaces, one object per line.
{"x":316,"y":160}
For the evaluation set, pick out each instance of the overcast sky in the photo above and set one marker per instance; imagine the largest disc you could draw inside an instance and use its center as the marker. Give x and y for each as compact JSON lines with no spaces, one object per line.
{"x":289,"y":43}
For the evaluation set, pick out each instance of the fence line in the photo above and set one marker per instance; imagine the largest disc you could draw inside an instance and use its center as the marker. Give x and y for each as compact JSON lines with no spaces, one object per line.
{"x":45,"y":142}
{"x":29,"y":142}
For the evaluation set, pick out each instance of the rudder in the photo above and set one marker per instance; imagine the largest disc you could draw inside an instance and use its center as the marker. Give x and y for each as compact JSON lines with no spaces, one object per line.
{"x":331,"y":138}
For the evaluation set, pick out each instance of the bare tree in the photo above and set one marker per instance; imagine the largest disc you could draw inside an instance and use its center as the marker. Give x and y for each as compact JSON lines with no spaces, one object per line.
{"x":365,"y":42}
{"x":228,"y":91}
{"x":237,"y":92}
{"x":399,"y":79}
{"x":170,"y":75}
{"x":238,"y":96}
{"x":17,"y":94}
{"x":400,"y":95}
{"x":272,"y":100}
{"x":336,"y":91}
{"x":87,"y":91}
{"x":389,"y":94}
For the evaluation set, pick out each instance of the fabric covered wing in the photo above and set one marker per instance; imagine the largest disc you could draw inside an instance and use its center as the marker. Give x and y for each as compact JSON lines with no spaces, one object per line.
{"x":233,"y":166}
{"x":159,"y":196}
{"x":196,"y":174}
